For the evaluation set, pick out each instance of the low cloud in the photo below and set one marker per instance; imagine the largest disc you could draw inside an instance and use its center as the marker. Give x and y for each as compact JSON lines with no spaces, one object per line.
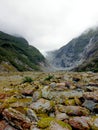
{"x":47,"y":24}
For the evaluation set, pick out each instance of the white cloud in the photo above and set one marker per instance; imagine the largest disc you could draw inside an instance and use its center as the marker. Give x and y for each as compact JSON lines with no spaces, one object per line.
{"x":47,"y":24}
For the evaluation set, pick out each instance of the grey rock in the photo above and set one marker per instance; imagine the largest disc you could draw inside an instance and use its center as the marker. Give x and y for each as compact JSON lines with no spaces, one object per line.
{"x":89,"y":104}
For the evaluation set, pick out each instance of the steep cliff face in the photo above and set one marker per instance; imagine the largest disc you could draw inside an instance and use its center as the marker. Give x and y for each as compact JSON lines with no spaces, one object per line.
{"x":17,"y":54}
{"x":77,"y":51}
{"x":90,"y":62}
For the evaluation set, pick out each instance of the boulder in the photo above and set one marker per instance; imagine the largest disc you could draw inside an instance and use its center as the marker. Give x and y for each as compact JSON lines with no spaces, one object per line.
{"x":70,"y":102}
{"x":34,"y":128}
{"x":74,"y":110}
{"x":28,"y":90}
{"x":32,"y":115}
{"x":77,"y":101}
{"x":52,"y":85}
{"x":5,"y":126}
{"x":91,"y":95}
{"x":3,"y":95}
{"x":42,"y":105}
{"x":61,"y":86}
{"x":59,"y":126}
{"x":79,"y":123}
{"x":8,"y":127}
{"x":53,"y":124}
{"x":89,"y":104}
{"x":94,"y":123}
{"x":46,"y":92}
{"x":37,"y":95}
{"x":16,"y":118}
{"x":61,"y":116}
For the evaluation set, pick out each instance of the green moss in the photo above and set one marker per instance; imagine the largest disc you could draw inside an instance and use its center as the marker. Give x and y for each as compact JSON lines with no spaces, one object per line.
{"x":24,"y":100}
{"x":52,"y":103}
{"x":70,"y":102}
{"x":49,"y":77}
{"x":11,"y":100}
{"x":63,"y":124}
{"x":94,"y":121}
{"x":45,"y":122}
{"x":43,"y":115}
{"x":23,"y":110}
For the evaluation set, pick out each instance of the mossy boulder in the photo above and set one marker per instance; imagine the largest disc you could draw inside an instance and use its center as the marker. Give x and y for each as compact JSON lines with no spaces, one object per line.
{"x":74,"y":110}
{"x":77,"y":101}
{"x":91,"y":95}
{"x":43,"y":115}
{"x":16,"y":118}
{"x":22,"y":102}
{"x":45,"y":122}
{"x":70,"y":102}
{"x":42,"y":106}
{"x":46,"y":93}
{"x":79,"y":123}
{"x":51,"y":122}
{"x":94,"y":123}
{"x":37,"y":95}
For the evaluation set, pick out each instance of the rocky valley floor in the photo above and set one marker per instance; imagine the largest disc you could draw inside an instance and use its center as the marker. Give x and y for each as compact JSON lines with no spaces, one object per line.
{"x":49,"y":101}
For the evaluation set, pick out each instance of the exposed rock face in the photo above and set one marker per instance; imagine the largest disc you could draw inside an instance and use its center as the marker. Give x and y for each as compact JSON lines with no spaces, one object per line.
{"x":82,"y":49}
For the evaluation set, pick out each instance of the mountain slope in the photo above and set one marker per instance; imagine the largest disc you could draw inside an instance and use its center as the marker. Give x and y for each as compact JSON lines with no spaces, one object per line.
{"x":16,"y":53}
{"x":91,"y":60}
{"x":78,"y":51}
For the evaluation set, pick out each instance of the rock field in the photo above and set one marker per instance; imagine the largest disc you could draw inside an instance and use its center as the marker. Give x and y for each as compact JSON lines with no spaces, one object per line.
{"x":51,"y":101}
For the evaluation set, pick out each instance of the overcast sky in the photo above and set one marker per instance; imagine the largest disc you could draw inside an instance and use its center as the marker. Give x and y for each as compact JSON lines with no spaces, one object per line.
{"x":47,"y":24}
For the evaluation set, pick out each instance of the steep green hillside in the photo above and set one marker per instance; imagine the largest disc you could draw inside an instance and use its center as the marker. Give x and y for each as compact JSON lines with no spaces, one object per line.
{"x":17,"y":52}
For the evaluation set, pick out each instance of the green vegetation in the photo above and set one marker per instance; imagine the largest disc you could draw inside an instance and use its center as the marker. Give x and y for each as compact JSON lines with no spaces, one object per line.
{"x":19,"y":53}
{"x":91,"y":65}
{"x":49,"y":77}
{"x":46,"y":122}
{"x":27,"y":79}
